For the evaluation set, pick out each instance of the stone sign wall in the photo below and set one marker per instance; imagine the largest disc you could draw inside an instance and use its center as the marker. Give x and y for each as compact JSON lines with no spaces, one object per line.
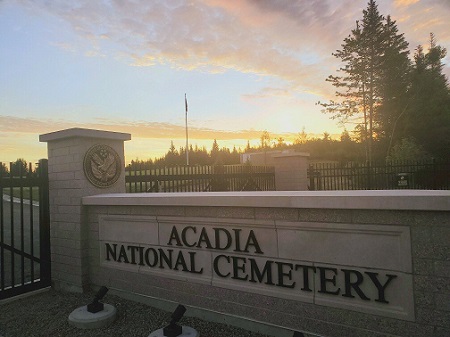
{"x":344,"y":263}
{"x":358,"y":267}
{"x":330,"y":267}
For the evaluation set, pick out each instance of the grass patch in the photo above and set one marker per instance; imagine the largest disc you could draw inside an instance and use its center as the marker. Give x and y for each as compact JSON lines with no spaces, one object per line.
{"x":25,"y":193}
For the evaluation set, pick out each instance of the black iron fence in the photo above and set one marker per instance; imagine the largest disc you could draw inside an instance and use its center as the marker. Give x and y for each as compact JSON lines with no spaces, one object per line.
{"x":24,"y":229}
{"x":150,"y":178}
{"x":425,"y":175}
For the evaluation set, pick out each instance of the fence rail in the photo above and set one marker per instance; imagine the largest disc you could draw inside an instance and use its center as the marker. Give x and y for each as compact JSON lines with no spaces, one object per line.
{"x":144,"y":178}
{"x":429,"y":175}
{"x":24,"y":230}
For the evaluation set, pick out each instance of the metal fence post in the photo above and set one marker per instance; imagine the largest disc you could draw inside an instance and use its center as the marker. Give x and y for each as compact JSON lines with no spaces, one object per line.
{"x":44,"y":223}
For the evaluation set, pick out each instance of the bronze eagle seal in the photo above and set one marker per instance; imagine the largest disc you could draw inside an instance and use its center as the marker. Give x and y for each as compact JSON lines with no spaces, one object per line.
{"x":102,"y":166}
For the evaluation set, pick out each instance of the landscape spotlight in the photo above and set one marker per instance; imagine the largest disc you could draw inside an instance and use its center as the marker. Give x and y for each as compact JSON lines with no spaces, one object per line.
{"x":174,"y":330}
{"x":97,"y":306}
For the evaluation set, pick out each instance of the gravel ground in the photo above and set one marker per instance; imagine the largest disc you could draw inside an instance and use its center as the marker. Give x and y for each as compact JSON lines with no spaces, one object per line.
{"x":46,"y":314}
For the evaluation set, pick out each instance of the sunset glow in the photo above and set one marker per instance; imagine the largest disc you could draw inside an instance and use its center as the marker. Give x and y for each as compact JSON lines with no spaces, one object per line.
{"x":246,"y":66}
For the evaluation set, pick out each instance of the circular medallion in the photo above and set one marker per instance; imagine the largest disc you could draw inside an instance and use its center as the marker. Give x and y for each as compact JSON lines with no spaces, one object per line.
{"x":102,"y":166}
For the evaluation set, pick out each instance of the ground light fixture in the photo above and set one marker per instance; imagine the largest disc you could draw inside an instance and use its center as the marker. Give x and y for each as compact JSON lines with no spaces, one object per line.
{"x":173,"y":329}
{"x":94,"y":315}
{"x":97,"y":306}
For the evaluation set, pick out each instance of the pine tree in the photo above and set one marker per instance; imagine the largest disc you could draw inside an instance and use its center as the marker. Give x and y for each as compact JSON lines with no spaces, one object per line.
{"x":215,"y":153}
{"x":19,"y":167}
{"x":373,"y":84}
{"x":171,"y":157}
{"x":362,"y":53}
{"x":427,"y":119}
{"x":372,"y":38}
{"x":265,"y":139}
{"x":3,"y":169}
{"x":394,"y":81}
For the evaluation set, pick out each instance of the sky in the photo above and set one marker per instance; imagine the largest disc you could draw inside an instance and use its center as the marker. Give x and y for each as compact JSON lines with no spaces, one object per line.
{"x":245,"y":66}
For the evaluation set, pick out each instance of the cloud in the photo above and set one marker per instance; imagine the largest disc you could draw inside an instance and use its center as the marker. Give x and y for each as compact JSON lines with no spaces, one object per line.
{"x":151,"y":133}
{"x":269,"y":92}
{"x":267,"y":38}
{"x":419,"y":18}
{"x":402,"y":3}
{"x":65,"y":46}
{"x":250,"y":37}
{"x":153,"y":130}
{"x":20,"y":136}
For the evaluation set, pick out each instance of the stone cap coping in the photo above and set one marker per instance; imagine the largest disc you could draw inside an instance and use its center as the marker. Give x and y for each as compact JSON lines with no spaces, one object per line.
{"x":375,"y":200}
{"x":85,"y":133}
{"x":291,"y":154}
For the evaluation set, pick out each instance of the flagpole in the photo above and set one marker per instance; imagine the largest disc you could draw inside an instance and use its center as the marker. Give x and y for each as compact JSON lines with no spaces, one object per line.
{"x":187,"y":138}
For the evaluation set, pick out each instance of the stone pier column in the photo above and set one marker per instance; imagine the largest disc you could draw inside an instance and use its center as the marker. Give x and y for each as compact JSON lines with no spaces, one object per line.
{"x":81,"y":162}
{"x":291,"y":171}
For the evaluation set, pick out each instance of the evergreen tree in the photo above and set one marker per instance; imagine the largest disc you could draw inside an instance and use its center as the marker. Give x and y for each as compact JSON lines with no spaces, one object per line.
{"x":248,"y":147}
{"x":280,"y":142}
{"x":427,"y":118}
{"x":373,"y":84}
{"x":19,"y":167}
{"x":235,"y":156}
{"x":172,"y":155}
{"x":215,"y":153}
{"x":372,"y":43}
{"x":345,"y":137}
{"x":3,"y":169}
{"x":361,"y":54}
{"x":265,"y":139}
{"x":407,"y":149}
{"x":302,"y":137}
{"x":394,"y":81}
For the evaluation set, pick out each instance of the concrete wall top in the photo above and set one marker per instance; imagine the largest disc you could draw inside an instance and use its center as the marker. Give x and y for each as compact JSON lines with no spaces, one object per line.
{"x":84,"y":133}
{"x":291,"y":154}
{"x":382,"y":200}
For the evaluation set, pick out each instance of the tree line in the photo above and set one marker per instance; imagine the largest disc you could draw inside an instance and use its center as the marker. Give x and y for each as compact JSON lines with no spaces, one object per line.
{"x":394,"y":102}
{"x":343,"y":150}
{"x":323,"y":148}
{"x":17,"y":168}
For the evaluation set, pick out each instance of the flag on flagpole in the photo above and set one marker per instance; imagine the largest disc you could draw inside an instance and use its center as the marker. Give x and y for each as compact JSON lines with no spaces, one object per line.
{"x":187,"y":138}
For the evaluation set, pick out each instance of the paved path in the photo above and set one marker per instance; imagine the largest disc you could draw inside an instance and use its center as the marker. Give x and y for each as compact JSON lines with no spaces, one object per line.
{"x":28,"y":219}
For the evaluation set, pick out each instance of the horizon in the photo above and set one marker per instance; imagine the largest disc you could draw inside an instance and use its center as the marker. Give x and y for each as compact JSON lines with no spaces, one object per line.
{"x":255,"y":144}
{"x":246,"y":68}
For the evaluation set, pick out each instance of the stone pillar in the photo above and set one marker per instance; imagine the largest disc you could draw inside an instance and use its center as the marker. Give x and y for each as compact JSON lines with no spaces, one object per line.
{"x":291,"y":171}
{"x":81,"y":162}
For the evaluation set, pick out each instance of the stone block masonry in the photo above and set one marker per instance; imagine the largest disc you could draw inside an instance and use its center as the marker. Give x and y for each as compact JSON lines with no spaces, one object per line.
{"x":67,"y":185}
{"x":291,"y":171}
{"x":347,"y":263}
{"x":357,"y":263}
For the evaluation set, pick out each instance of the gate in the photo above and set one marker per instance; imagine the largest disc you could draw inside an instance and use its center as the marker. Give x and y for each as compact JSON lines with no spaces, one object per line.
{"x":24,"y":229}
